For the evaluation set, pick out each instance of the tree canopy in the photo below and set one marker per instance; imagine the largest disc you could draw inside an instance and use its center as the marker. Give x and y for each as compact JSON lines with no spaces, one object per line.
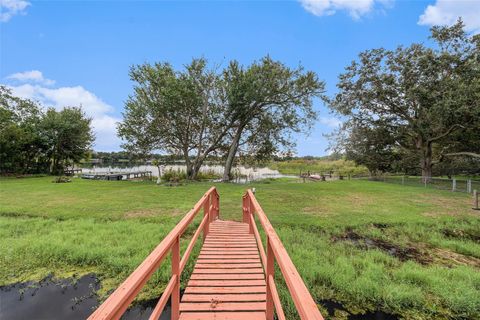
{"x":423,"y":102}
{"x":201,"y":111}
{"x":33,"y":140}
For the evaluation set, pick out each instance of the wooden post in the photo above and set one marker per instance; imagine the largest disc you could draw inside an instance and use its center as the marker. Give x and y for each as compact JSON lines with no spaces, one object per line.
{"x":403,"y":180}
{"x":245,"y":206}
{"x":217,"y":206}
{"x":211,"y":208}
{"x":251,"y":212}
{"x":206,"y":207}
{"x":270,"y":272}
{"x":469,"y":185}
{"x":176,"y":272}
{"x":454,"y":185}
{"x":475,"y":200}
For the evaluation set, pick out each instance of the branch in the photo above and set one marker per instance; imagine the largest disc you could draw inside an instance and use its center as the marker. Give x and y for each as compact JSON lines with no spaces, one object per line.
{"x":450,"y":130}
{"x":470,"y":154}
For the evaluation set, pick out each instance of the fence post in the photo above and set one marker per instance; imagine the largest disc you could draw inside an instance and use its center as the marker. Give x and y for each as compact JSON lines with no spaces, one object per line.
{"x":403,"y":180}
{"x":270,"y":272}
{"x":469,"y":186}
{"x":454,"y":185}
{"x":176,"y":272}
{"x":475,"y":200}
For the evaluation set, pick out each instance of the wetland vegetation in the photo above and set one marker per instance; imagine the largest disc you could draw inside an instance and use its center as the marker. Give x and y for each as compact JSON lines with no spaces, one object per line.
{"x":361,"y":246}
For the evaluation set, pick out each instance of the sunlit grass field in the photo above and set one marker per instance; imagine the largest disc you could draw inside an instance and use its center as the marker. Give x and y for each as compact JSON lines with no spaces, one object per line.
{"x":407,"y":251}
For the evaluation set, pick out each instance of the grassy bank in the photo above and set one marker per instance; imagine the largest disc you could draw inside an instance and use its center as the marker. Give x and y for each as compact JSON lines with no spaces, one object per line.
{"x":409,"y":251}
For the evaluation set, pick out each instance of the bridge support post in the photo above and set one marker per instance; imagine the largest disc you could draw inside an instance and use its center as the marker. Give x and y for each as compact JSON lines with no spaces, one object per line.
{"x":251,"y":211}
{"x":216,"y":201}
{"x":175,"y":298}
{"x":270,"y":271}
{"x":245,"y":206}
{"x":206,"y":212}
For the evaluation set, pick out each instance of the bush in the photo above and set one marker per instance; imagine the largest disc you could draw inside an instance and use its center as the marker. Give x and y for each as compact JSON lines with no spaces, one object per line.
{"x":174,"y":175}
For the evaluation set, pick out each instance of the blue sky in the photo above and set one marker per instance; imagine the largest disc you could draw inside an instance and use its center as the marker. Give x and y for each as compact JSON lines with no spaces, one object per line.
{"x":79,"y":52}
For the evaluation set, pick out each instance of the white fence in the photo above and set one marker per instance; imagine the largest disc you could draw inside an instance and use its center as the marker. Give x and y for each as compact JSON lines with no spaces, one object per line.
{"x":455,"y":184}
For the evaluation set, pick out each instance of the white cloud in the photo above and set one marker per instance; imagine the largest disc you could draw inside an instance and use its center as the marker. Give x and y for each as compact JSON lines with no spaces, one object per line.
{"x":9,"y":8}
{"x":31,"y":76}
{"x":356,"y":8}
{"x":103,"y":122}
{"x":331,"y":122}
{"x":446,"y":12}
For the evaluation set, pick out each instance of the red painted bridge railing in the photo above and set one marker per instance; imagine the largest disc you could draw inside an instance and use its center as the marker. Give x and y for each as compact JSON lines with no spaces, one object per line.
{"x":304,"y":303}
{"x":122,"y":297}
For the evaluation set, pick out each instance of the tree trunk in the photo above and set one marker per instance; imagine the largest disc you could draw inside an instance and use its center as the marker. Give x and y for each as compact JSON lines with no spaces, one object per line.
{"x":231,"y":154}
{"x":188,"y":164}
{"x":427,"y":163}
{"x":196,"y":167}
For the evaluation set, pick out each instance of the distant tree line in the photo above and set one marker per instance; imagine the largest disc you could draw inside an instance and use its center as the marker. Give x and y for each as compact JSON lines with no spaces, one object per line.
{"x":414,"y":109}
{"x":202,"y":111}
{"x":34,"y":139}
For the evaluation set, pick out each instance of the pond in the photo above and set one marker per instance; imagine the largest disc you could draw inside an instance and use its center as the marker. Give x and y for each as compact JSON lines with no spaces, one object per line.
{"x":243,"y":174}
{"x":61,"y":299}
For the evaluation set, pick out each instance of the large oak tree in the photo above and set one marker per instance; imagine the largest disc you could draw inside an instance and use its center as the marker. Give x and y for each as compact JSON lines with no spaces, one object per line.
{"x":199,"y":111}
{"x":425,"y":97}
{"x":267,"y":101}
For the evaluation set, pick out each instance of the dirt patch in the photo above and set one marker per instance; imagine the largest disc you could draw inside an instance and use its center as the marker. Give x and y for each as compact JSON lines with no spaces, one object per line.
{"x":451,"y":259}
{"x":145,"y":213}
{"x":461,"y":234}
{"x":420,"y":253}
{"x":317,"y":210}
{"x":359,"y":199}
{"x":446,"y":206}
{"x":381,"y":225}
{"x":401,"y":253}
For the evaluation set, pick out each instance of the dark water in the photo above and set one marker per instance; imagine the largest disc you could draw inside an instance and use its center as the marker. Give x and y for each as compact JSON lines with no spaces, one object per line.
{"x":61,"y":299}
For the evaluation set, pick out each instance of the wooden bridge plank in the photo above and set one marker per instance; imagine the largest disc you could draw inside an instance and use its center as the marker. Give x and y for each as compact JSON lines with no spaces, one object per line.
{"x":228,"y":281}
{"x":225,"y":271}
{"x":229,"y":260}
{"x":225,"y":283}
{"x":223,"y":306}
{"x":224,"y":297}
{"x":229,"y":256}
{"x":228,"y":276}
{"x":218,"y":290}
{"x":222,"y":316}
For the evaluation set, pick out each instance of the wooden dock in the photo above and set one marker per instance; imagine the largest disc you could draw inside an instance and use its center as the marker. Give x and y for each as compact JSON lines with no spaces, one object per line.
{"x":117,"y":175}
{"x":233,"y":278}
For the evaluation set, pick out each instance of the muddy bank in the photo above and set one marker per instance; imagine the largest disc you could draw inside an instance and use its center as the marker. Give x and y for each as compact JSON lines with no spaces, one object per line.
{"x":61,"y":299}
{"x":418,"y":252}
{"x":402,"y":253}
{"x":462,"y":234}
{"x":337,"y":311}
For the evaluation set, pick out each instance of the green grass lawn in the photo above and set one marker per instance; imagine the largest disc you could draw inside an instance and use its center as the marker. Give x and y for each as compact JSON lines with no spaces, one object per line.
{"x":404,"y":250}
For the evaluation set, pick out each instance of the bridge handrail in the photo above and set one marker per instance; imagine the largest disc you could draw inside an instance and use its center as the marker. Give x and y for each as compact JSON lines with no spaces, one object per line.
{"x":118,"y":302}
{"x":304,"y":303}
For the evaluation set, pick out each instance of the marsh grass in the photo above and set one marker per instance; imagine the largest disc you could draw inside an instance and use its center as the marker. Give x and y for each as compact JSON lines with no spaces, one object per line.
{"x":109,"y":227}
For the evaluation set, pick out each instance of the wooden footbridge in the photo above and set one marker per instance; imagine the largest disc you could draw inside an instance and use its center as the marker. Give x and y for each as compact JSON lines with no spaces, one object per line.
{"x":233,"y":278}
